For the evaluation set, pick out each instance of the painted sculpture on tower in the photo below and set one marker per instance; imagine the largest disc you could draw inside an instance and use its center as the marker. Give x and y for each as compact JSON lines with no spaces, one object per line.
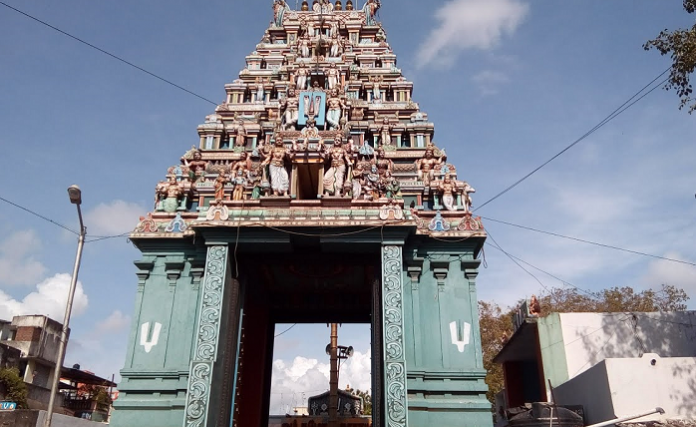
{"x":290,"y":107}
{"x":279,"y":9}
{"x":427,"y":165}
{"x":321,"y":74}
{"x":194,"y":162}
{"x":277,"y":171}
{"x":339,"y":161}
{"x":449,"y":190}
{"x":335,"y":107}
{"x":333,"y":76}
{"x":370,"y":9}
{"x":301,"y":76}
{"x":219,"y":186}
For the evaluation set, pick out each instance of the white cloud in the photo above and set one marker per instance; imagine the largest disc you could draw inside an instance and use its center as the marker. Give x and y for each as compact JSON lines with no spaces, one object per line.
{"x":17,"y":263}
{"x":293,"y":383}
{"x":50,"y":299}
{"x":489,"y":81}
{"x":116,"y":322}
{"x":470,"y":24}
{"x":113,"y":218}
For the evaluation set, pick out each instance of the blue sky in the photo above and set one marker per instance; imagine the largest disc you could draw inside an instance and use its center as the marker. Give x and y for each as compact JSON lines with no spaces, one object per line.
{"x":508,"y":83}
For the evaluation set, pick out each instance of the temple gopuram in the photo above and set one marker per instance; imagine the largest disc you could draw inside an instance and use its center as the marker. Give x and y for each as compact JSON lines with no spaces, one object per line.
{"x":316,"y":193}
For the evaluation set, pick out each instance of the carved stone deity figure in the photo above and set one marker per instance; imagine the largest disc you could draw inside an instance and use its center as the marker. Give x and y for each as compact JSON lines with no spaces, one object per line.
{"x":334,"y":29}
{"x":370,"y":9}
{"x":393,"y":188}
{"x":260,"y":91}
{"x":385,"y":133}
{"x":466,"y":196}
{"x":449,"y":190}
{"x":310,"y":131}
{"x":196,"y":166}
{"x":385,"y":165}
{"x":243,"y":165}
{"x":335,"y":108}
{"x":280,"y":183}
{"x":426,"y":166}
{"x":239,"y":180}
{"x":290,"y":106}
{"x":335,"y":47}
{"x":372,"y":182}
{"x":381,"y":34}
{"x":303,"y":46}
{"x":338,"y":158}
{"x":310,"y":31}
{"x":323,"y":6}
{"x":376,"y":88}
{"x":301,"y":77}
{"x":332,"y":76}
{"x":279,"y":9}
{"x":240,"y":139}
{"x":219,"y":186}
{"x":172,"y":192}
{"x":358,"y":178}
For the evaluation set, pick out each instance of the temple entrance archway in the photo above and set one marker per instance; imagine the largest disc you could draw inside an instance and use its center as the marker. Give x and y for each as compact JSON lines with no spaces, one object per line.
{"x":315,"y":287}
{"x":316,"y":194}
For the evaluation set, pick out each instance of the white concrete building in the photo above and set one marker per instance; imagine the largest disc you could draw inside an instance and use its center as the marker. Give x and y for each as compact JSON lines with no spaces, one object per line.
{"x":616,"y":388}
{"x":588,"y":354}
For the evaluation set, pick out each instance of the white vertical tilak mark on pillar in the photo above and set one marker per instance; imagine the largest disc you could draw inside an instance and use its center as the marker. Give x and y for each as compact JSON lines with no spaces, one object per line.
{"x":145,"y":340}
{"x":460,"y":337}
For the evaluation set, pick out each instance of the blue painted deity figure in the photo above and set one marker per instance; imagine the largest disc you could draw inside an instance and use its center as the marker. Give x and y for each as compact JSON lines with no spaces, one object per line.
{"x":279,"y":9}
{"x":370,"y":9}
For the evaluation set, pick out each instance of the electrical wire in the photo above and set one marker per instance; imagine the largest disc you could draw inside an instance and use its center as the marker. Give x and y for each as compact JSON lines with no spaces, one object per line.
{"x":497,"y":246}
{"x":589,"y":242}
{"x":618,"y":111}
{"x":38,"y":215}
{"x":169,"y":82}
{"x":276,"y":336}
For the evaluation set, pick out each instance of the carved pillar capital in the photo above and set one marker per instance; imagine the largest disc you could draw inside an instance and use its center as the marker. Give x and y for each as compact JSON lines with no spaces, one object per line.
{"x":173,"y":268}
{"x":144,"y":267}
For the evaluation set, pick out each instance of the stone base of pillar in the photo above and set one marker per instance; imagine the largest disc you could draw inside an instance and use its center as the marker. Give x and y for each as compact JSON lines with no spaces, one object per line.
{"x":448,"y":399}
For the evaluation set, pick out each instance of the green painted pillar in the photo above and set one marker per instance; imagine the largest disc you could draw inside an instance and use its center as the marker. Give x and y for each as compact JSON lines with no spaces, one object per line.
{"x":446,"y":379}
{"x":395,"y":407}
{"x":155,"y":374}
{"x":210,"y":382}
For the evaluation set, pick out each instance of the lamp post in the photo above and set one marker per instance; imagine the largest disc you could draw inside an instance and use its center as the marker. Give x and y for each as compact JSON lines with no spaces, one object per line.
{"x":75,"y":198}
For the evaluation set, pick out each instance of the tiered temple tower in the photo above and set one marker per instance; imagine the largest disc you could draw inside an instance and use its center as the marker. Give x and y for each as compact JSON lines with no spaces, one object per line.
{"x":315,"y":194}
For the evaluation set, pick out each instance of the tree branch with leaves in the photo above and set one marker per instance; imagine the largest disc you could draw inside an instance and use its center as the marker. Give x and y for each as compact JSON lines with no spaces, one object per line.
{"x":681,"y":46}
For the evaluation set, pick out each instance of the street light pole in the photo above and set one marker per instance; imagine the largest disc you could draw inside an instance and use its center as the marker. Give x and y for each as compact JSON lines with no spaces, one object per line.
{"x":75,"y":198}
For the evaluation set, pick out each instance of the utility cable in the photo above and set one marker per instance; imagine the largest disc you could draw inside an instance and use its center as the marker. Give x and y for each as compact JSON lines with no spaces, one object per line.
{"x":276,"y":336}
{"x":563,"y":281}
{"x":169,"y":82}
{"x":497,"y":246}
{"x":618,"y":111}
{"x":590,"y":242}
{"x":9,"y":202}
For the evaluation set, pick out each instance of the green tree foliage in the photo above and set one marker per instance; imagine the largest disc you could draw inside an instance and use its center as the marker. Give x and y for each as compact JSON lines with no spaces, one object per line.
{"x":681,"y":46}
{"x":13,"y":387}
{"x":367,"y":399}
{"x":496,"y":322}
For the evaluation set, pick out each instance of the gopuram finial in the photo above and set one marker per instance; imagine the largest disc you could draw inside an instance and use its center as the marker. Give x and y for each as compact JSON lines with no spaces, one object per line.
{"x":305,"y":6}
{"x":349,"y":5}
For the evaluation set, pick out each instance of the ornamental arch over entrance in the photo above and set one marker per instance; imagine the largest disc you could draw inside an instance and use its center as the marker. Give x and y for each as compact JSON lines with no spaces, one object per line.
{"x":349,"y":213}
